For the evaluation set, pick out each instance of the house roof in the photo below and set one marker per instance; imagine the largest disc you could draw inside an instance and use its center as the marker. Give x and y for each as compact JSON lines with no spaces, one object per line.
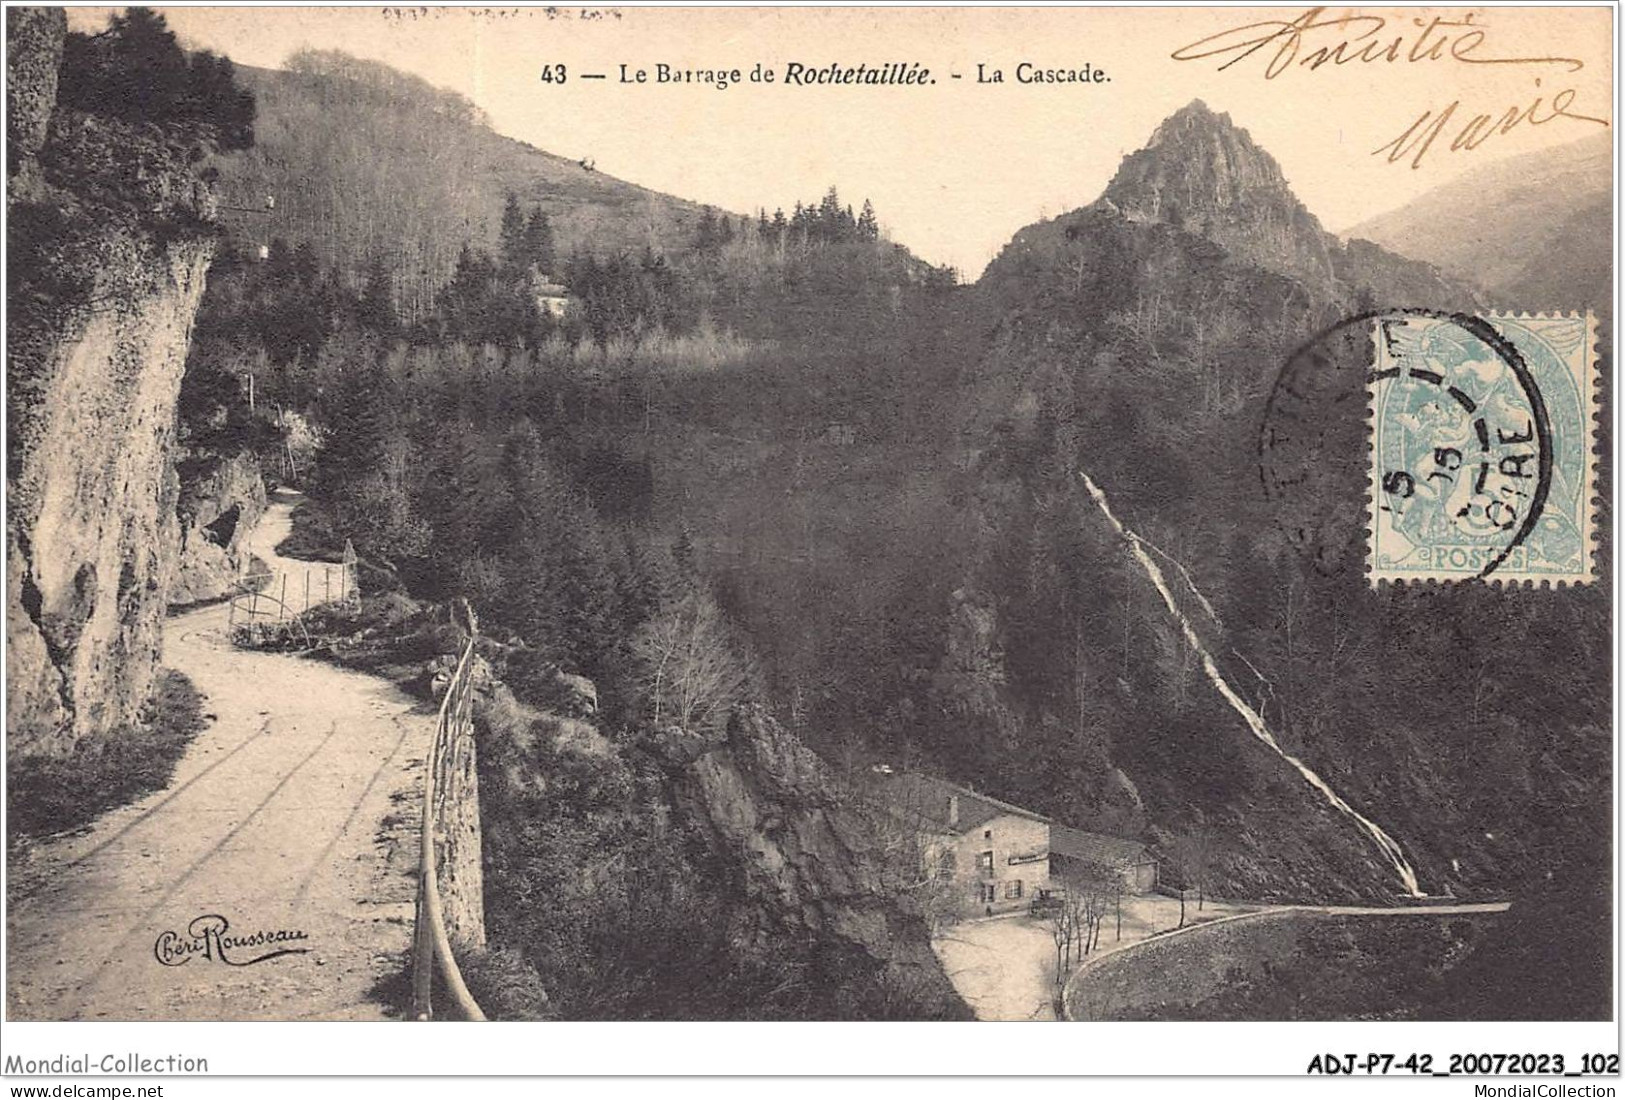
{"x":929,"y":801}
{"x":1108,"y":851}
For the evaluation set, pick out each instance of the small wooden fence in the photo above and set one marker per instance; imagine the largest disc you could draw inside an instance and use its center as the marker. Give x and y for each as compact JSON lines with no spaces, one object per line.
{"x":430,"y":943}
{"x":268,"y":604}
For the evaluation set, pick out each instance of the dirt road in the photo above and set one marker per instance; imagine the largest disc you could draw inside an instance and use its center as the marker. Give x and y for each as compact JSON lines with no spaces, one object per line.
{"x":293,"y":813}
{"x":1005,"y":967}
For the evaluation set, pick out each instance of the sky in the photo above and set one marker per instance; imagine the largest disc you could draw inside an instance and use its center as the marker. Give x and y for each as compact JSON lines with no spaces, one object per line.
{"x":954,"y":168}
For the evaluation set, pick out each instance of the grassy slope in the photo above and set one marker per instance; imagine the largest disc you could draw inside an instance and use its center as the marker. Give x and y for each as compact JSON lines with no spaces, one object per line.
{"x":293,"y":159}
{"x":46,"y":795}
{"x":1295,"y":966}
{"x":1509,"y":225}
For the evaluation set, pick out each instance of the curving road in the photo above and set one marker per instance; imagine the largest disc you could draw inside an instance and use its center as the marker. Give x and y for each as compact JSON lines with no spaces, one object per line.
{"x":1004,"y":967}
{"x":294,"y":812}
{"x":1081,"y":974}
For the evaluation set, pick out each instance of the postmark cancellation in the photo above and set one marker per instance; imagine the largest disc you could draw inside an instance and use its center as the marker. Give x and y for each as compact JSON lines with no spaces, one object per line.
{"x":1481,"y":448}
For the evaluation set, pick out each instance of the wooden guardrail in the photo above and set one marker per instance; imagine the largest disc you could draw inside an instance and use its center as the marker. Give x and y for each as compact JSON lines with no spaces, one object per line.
{"x":431,"y":947}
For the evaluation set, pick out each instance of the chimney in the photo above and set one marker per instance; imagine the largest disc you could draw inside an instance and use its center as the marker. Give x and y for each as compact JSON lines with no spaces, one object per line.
{"x":953,"y":811}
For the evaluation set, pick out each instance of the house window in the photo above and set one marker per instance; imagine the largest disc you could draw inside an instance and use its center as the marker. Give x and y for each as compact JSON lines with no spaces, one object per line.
{"x":990,"y":893}
{"x":1012,"y":889}
{"x":945,"y":864}
{"x":984,"y":863}
{"x":987,"y":834}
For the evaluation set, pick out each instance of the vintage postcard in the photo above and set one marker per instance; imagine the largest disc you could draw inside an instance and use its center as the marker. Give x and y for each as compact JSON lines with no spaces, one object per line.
{"x":608,"y":514}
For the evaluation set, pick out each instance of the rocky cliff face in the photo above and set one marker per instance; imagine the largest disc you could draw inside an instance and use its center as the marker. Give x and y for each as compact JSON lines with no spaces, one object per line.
{"x":1202,"y":173}
{"x":109,"y":249}
{"x":668,"y":875}
{"x":33,"y":52}
{"x":221,"y":499}
{"x":810,"y":862}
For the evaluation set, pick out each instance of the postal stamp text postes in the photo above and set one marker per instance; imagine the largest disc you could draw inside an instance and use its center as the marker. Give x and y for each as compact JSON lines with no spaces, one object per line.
{"x":1481,"y":448}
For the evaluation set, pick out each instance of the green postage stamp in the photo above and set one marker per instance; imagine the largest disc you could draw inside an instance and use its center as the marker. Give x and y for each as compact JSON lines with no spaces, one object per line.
{"x":1481,"y":448}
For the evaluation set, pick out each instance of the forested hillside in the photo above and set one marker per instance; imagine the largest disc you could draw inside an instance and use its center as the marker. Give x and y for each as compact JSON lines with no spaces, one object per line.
{"x":583,"y":477}
{"x":1139,"y":341}
{"x":374,"y":168}
{"x":855,"y":485}
{"x":775,"y":392}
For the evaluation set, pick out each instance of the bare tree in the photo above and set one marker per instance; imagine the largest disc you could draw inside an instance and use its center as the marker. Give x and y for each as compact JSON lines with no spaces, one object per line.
{"x":691,"y":672}
{"x":1079,"y":909}
{"x":1201,"y":856}
{"x":1117,"y":904}
{"x":1190,"y":854}
{"x":916,"y":862}
{"x":1063,"y":929}
{"x":1098,"y":885}
{"x":1086,"y":897}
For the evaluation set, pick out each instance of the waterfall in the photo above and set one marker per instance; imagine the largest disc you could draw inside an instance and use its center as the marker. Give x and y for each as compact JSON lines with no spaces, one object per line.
{"x":1255,"y":722}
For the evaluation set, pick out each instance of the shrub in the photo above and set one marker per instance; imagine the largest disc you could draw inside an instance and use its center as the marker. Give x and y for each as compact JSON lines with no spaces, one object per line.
{"x":313,"y":538}
{"x":135,"y":70}
{"x":389,"y":634}
{"x":505,"y":985}
{"x":46,"y":795}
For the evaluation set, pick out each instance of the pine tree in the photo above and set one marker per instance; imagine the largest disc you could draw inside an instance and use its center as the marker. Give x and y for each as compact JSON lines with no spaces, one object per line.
{"x":148,"y":71}
{"x":211,"y":93}
{"x":511,"y":249}
{"x":705,"y":238}
{"x":868,"y":224}
{"x":829,"y":214}
{"x":378,"y":299}
{"x":137,"y":70}
{"x":466,"y":497}
{"x":358,"y":419}
{"x":539,"y":247}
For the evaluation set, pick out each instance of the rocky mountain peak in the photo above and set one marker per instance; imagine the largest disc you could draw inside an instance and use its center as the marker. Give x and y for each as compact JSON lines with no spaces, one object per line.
{"x":1195,"y":115}
{"x":1202,"y":172}
{"x":1197,"y":162}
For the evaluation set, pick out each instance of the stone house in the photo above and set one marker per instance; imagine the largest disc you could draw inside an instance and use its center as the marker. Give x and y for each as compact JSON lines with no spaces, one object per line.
{"x":993,"y":857}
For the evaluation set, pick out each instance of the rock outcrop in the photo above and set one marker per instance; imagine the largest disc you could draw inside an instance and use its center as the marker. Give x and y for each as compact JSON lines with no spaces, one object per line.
{"x":1202,"y":173}
{"x":33,"y":53}
{"x":221,"y":499}
{"x":1140,"y":339}
{"x":108,"y":252}
{"x":811,"y":863}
